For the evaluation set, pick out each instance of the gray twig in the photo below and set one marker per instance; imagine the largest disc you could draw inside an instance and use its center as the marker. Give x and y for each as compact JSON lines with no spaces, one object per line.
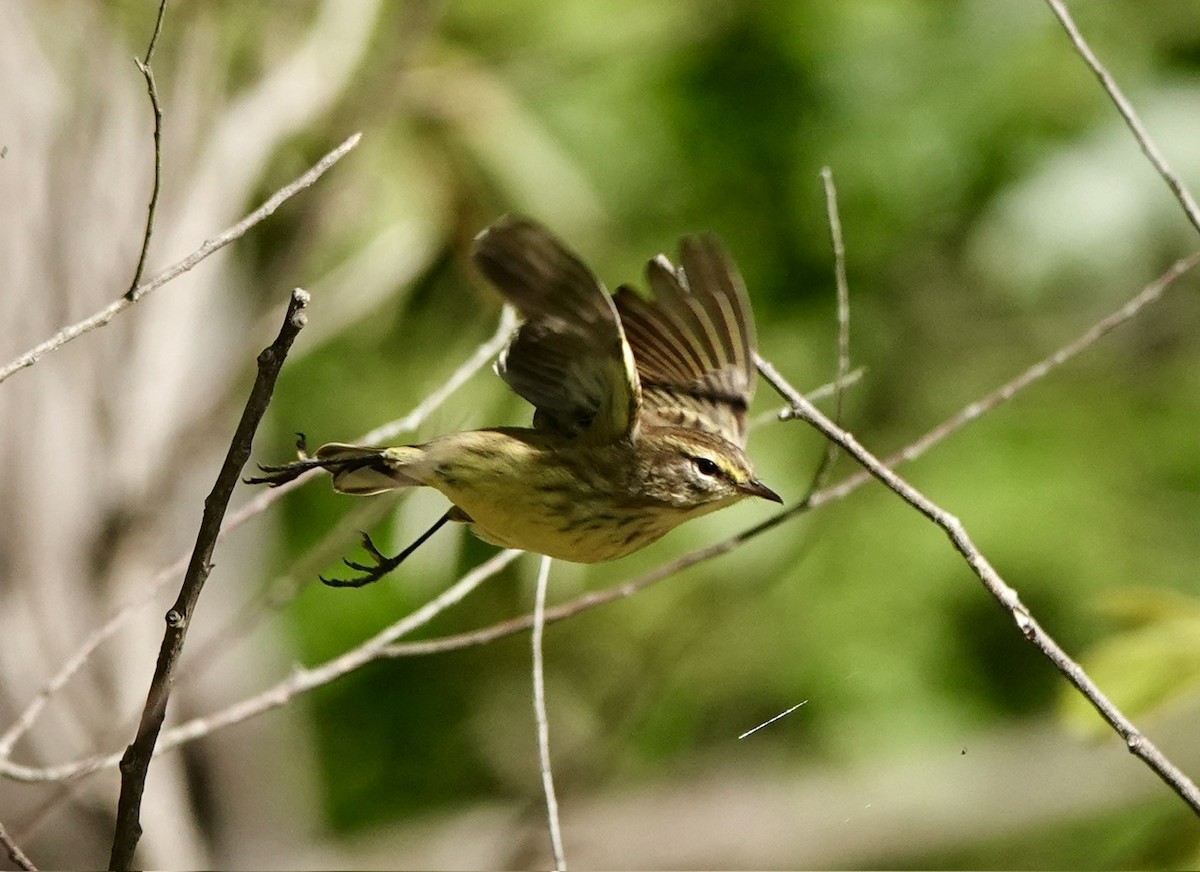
{"x":216,"y":243}
{"x":152,"y":89}
{"x":1127,"y":112}
{"x":539,"y":713}
{"x":14,"y":851}
{"x":843,"y":320}
{"x":1005,"y":595}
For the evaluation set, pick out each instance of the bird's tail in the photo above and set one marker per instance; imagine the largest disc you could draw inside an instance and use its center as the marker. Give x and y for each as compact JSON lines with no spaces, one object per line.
{"x":362,"y":470}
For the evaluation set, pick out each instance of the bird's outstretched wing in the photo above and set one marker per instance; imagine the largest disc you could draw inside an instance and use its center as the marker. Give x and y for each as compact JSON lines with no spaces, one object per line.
{"x":570,"y":357}
{"x":693,"y":343}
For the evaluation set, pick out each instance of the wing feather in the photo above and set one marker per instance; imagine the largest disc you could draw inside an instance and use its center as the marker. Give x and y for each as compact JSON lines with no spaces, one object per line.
{"x":570,"y":357}
{"x":694,"y":342}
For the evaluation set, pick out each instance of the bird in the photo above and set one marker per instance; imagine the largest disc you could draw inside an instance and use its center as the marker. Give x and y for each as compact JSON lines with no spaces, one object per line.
{"x":640,"y":409}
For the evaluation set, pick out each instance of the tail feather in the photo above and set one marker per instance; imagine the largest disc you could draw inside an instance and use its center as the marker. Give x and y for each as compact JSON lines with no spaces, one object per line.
{"x":363,"y":470}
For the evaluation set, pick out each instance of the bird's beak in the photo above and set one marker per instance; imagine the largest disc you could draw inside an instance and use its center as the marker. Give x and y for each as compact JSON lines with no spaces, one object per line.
{"x":756,"y":488}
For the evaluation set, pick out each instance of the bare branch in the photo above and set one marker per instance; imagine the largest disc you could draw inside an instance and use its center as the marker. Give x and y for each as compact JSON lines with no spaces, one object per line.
{"x":1127,"y":112}
{"x":14,"y":851}
{"x":843,"y":286}
{"x":300,"y":681}
{"x":482,"y":356}
{"x":135,"y":763}
{"x":1005,"y":595}
{"x":152,"y":89}
{"x":843,"y":319}
{"x":539,"y":714}
{"x":817,"y":394}
{"x":486,"y":351}
{"x":1149,"y":294}
{"x":99,"y":319}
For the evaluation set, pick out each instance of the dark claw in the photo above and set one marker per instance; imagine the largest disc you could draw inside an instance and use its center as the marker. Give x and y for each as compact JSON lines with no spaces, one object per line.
{"x":382,"y":563}
{"x":369,"y":573}
{"x":277,"y":475}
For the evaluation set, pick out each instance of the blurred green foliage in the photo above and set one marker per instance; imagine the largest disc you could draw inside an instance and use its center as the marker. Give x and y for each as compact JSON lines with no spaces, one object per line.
{"x":993,"y":208}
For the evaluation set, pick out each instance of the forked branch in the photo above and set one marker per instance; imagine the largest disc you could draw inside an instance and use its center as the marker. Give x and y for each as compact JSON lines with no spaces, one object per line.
{"x":210,"y":246}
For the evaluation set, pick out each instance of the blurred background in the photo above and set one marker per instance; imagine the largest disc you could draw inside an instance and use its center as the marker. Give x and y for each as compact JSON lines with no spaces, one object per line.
{"x":994,"y":207}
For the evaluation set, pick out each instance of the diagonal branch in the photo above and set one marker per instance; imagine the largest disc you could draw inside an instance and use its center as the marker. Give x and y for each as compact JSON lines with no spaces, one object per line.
{"x":302,"y":680}
{"x":1127,"y":112}
{"x":484,"y":353}
{"x":1138,"y":744}
{"x":19,"y":857}
{"x":135,"y":763}
{"x":216,"y":243}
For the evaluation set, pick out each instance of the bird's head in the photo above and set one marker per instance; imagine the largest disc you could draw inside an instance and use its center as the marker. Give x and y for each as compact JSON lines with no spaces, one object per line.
{"x":694,"y":470}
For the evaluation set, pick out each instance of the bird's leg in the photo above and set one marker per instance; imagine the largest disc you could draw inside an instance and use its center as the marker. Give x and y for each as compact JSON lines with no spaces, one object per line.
{"x":382,"y":564}
{"x":282,"y":474}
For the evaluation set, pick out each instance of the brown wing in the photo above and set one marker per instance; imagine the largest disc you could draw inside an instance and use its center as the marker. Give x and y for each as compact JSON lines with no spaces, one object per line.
{"x":569,"y":358}
{"x":693,"y":344}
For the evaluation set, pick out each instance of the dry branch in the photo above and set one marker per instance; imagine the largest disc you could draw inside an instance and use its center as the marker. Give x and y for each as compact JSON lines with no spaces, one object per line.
{"x":539,"y":714}
{"x":135,"y":763}
{"x":1149,"y":149}
{"x":1005,"y":595}
{"x":482,"y":355}
{"x":99,"y":319}
{"x":152,"y":90}
{"x":300,"y":681}
{"x":14,"y":851}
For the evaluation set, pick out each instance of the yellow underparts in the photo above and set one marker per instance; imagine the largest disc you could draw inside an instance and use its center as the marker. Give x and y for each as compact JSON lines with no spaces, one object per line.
{"x":520,"y":491}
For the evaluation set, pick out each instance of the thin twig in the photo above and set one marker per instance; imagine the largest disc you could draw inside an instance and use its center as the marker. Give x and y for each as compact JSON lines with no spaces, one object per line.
{"x":300,"y":681}
{"x":99,"y":319}
{"x":152,"y":89}
{"x":1005,"y":595}
{"x":539,"y":714}
{"x":486,"y":351}
{"x":843,"y":285}
{"x":25,"y":721}
{"x":1149,"y":294}
{"x":1128,"y":113}
{"x":817,"y":394}
{"x":843,"y":319}
{"x":14,"y":851}
{"x":135,"y":764}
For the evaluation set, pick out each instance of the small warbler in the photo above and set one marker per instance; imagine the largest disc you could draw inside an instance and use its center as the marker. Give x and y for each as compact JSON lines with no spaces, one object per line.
{"x":640,"y":418}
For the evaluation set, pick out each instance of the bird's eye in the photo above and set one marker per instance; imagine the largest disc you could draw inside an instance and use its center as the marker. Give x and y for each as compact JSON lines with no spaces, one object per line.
{"x":706,"y":467}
